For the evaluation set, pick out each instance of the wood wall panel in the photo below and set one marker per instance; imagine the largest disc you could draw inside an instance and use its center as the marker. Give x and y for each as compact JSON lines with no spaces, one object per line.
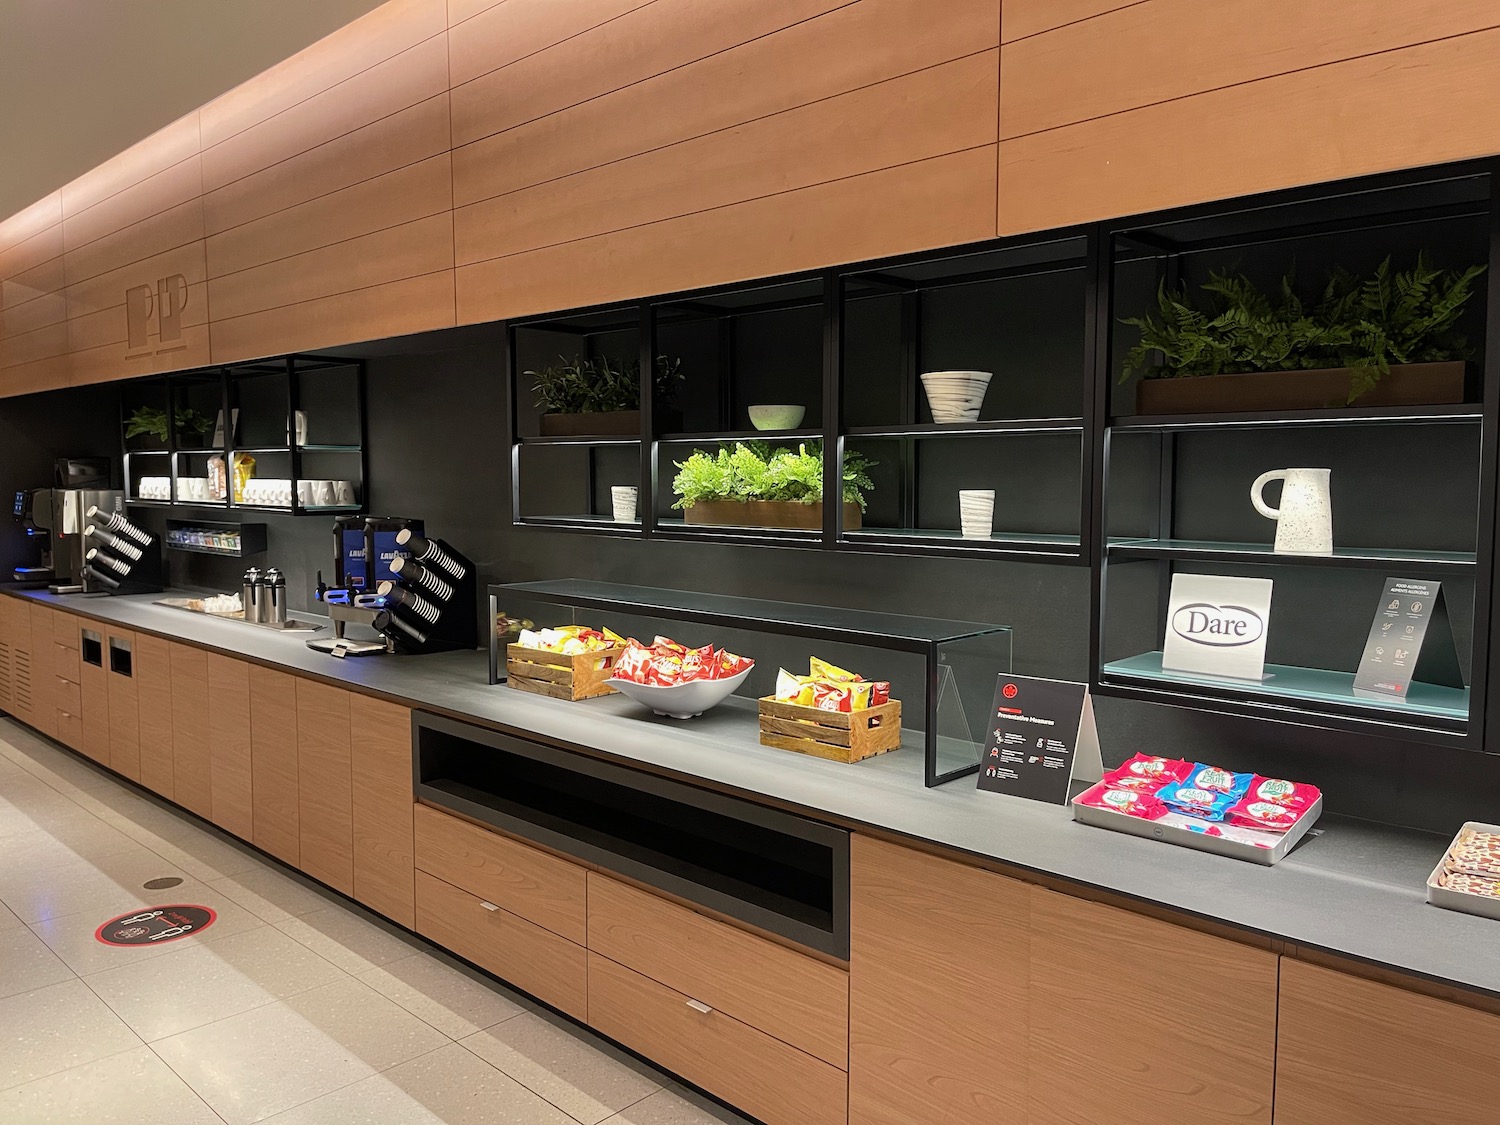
{"x":942,"y":109}
{"x":650,"y":40}
{"x":1031,"y":17}
{"x":229,"y":744}
{"x":847,"y":49}
{"x":384,"y":867}
{"x":325,"y":800}
{"x":192,"y":765}
{"x":176,"y":226}
{"x":403,"y":138}
{"x":485,"y":37}
{"x":388,"y":87}
{"x":167,"y":147}
{"x":394,"y":309}
{"x":938,"y":202}
{"x":1421,"y":105}
{"x":33,"y":311}
{"x":125,"y":213}
{"x":916,"y":990}
{"x":1166,"y":49}
{"x":1202,"y":1050}
{"x":460,"y":10}
{"x":1352,"y":1051}
{"x":153,"y":686}
{"x":394,"y":254}
{"x":383,"y":33}
{"x":413,"y":192}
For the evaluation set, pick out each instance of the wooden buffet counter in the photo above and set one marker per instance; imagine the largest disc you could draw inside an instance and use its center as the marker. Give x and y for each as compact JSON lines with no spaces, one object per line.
{"x":1004,"y":964}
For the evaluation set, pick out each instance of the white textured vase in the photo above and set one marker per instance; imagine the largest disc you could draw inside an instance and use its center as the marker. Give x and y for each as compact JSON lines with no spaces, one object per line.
{"x":955,"y":396}
{"x":1304,"y":522}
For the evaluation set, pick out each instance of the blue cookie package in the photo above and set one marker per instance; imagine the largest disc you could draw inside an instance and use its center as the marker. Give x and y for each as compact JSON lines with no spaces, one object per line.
{"x":1208,"y":793}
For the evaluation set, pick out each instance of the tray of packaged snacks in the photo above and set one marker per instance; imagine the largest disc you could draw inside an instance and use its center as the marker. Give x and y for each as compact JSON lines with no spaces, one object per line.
{"x":572,"y":662}
{"x":1468,"y":876}
{"x":1193,"y":805}
{"x":830,"y":713}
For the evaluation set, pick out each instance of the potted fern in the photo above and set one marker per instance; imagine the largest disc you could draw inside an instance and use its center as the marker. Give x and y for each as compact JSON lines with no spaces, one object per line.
{"x":1388,"y":339}
{"x":752,"y":484}
{"x":590,"y":396}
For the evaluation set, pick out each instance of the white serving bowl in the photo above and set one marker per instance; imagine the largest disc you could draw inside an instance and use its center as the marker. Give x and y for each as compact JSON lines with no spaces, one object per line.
{"x":955,"y":396}
{"x":681,"y":701}
{"x":787,"y":417}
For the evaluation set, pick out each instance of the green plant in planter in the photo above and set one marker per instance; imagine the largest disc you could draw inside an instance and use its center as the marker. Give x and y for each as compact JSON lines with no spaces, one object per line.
{"x":755,"y":470}
{"x":1363,"y":323}
{"x":149,"y":421}
{"x":588,"y":385}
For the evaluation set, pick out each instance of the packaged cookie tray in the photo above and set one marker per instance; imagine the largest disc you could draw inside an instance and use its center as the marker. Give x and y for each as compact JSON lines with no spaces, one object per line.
{"x":1463,"y":852}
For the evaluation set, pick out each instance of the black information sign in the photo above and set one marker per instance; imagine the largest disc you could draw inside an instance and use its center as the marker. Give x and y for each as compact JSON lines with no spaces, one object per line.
{"x":156,"y":925}
{"x":1410,"y":639}
{"x":1037,"y":729}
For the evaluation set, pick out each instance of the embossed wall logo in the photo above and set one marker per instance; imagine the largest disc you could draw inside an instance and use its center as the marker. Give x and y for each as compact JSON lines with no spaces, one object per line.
{"x":1222,"y":626}
{"x":158,"y":309}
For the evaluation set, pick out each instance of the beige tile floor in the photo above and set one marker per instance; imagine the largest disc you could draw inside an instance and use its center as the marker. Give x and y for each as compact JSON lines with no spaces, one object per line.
{"x":295,"y":1007}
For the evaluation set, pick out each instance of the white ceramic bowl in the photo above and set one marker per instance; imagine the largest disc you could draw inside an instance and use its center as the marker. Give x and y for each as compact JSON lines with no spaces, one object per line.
{"x":955,"y":396}
{"x":787,"y":417}
{"x":681,"y":701}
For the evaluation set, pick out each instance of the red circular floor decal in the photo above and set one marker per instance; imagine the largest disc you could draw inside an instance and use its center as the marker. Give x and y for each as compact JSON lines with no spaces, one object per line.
{"x":155,"y":925}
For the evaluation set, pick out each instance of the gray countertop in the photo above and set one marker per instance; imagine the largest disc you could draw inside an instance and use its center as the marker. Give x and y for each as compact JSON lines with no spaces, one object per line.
{"x":1356,"y":889}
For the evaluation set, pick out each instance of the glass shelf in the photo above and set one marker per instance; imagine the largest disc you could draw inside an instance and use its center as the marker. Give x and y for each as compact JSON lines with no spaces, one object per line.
{"x":1206,"y":551}
{"x":958,"y":429}
{"x":742,"y":435}
{"x":949,"y":652}
{"x":599,"y":525}
{"x":582,"y":439}
{"x":938,"y":537}
{"x":1346,"y":416}
{"x":1315,"y":685}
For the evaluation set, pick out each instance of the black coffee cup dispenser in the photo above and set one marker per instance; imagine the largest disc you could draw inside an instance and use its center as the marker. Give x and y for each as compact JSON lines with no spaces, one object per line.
{"x":120,"y":557}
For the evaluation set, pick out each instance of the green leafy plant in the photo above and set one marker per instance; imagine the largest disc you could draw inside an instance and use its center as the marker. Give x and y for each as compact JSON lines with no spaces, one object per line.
{"x":589,"y":385}
{"x":148,"y":420}
{"x":755,"y":470}
{"x":1363,"y":323}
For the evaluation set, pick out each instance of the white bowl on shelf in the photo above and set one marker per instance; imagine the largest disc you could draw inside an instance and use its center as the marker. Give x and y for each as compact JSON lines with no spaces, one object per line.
{"x":955,"y":396}
{"x":787,"y":417}
{"x":681,"y":701}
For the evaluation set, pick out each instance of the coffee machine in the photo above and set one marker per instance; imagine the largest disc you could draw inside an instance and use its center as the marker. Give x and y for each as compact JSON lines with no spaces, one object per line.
{"x":57,"y":516}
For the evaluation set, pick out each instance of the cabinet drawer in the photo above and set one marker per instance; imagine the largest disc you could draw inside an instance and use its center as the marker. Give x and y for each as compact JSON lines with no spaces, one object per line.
{"x":65,"y":662}
{"x":533,"y":884}
{"x":70,"y":728}
{"x":549,"y":967}
{"x":754,"y":1071}
{"x":787,"y":994}
{"x":68,"y":696}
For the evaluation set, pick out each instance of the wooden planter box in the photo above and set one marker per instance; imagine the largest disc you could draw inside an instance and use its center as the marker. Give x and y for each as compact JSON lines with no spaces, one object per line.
{"x":606,"y":423}
{"x":767,"y":513}
{"x":839,"y":736}
{"x":580,"y":676}
{"x":1413,"y":384}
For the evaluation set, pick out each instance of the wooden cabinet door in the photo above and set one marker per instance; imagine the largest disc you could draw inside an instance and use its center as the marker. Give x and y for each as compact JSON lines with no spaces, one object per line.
{"x":93,"y":676}
{"x":153,"y":693}
{"x":273,"y":763}
{"x":325,"y":799}
{"x":43,"y":693}
{"x":931,"y":1038}
{"x":1105,"y":1047}
{"x":230,"y":782}
{"x":381,"y":750}
{"x":124,"y":710}
{"x":22,"y":670}
{"x":1351,"y":1051}
{"x":192,"y":768}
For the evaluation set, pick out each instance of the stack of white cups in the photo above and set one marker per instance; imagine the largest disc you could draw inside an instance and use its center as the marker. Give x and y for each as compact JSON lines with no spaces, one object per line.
{"x":623,"y":497}
{"x":976,"y":512}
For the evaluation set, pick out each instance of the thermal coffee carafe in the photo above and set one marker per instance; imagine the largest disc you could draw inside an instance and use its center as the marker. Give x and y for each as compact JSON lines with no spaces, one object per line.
{"x":273,"y":597}
{"x":252,"y":595}
{"x":121,"y":557}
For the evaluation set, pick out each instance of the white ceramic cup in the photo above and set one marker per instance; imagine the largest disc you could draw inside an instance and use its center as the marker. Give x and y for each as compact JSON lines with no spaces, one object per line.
{"x":623,"y":498}
{"x":305,"y":491}
{"x":976,"y":512}
{"x":322,"y":492}
{"x":343,"y":492}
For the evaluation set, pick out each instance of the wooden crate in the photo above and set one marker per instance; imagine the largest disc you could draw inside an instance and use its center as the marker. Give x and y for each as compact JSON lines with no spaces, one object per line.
{"x":840,"y":736}
{"x":580,"y":676}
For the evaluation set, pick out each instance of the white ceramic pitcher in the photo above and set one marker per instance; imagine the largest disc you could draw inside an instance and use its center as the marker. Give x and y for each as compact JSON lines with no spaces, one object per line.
{"x":1304,"y":522}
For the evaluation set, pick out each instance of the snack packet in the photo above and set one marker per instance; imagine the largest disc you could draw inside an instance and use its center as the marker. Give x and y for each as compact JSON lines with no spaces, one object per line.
{"x":1126,"y":801}
{"x":1146,"y":773}
{"x":1216,"y":779}
{"x":1255,"y":813}
{"x":1293,"y":794}
{"x":1206,"y":804}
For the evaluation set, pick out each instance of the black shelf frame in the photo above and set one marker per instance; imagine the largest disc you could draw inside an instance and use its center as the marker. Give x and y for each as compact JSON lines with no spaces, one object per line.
{"x":292,"y":368}
{"x":1160,"y":549}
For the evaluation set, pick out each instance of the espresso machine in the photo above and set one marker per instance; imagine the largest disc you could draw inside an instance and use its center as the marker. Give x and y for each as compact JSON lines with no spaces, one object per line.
{"x":58,"y":516}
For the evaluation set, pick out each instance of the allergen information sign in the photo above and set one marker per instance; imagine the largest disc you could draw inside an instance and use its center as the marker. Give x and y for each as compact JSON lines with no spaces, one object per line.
{"x":1040,"y":736}
{"x":1410,"y":639}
